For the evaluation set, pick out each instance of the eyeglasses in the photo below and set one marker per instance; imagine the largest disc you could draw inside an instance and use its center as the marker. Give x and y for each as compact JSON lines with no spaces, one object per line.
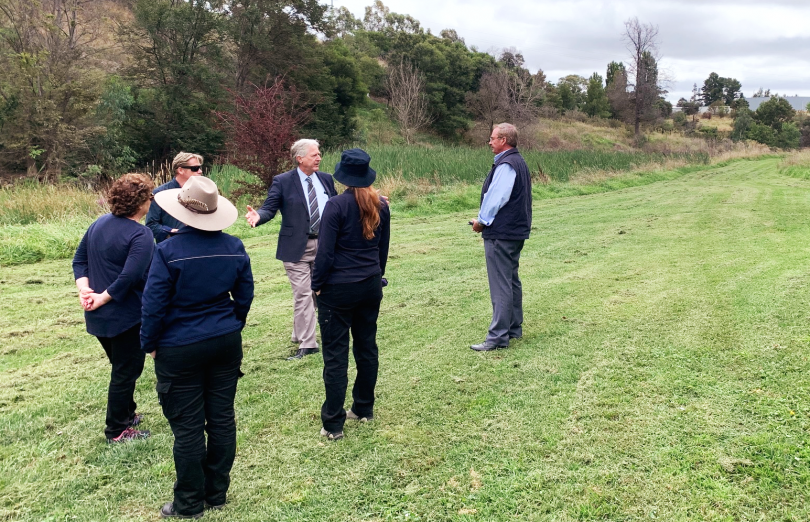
{"x":192,"y":168}
{"x":495,"y":138}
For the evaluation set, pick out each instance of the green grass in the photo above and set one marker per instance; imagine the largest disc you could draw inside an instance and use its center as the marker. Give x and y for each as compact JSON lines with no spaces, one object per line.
{"x":662,"y":375}
{"x":451,"y":164}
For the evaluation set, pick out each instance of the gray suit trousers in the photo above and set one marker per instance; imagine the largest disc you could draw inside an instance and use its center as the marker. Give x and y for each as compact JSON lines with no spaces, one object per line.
{"x":505,"y":289}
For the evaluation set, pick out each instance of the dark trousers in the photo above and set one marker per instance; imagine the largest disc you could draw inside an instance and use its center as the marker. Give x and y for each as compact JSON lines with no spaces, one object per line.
{"x":505,"y":289}
{"x":126,"y":358}
{"x":196,"y":387}
{"x":342,"y":308}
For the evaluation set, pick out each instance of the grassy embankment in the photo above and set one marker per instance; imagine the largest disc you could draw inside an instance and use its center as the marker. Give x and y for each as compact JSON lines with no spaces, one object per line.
{"x":662,"y":375}
{"x":47,"y":223}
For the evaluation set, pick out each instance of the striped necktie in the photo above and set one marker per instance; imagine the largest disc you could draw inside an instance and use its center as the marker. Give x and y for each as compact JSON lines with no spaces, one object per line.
{"x":314,"y":213}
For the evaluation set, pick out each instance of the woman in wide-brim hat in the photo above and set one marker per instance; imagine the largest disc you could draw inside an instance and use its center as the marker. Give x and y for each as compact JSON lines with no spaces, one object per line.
{"x":347,"y":279}
{"x":197,"y":297}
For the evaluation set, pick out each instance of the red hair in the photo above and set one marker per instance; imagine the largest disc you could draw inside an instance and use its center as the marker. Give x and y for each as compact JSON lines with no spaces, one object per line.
{"x":368,"y":199}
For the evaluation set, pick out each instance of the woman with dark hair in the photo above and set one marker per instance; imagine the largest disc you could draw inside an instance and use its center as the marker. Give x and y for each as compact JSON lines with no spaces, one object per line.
{"x":352,"y":253}
{"x":197,"y":297}
{"x":110,"y":269}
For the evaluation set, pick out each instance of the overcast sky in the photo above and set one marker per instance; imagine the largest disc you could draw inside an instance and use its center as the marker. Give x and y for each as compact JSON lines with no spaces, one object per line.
{"x":760,"y":43}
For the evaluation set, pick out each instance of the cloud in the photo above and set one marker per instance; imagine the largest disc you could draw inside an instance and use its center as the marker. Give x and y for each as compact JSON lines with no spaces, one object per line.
{"x":760,"y":44}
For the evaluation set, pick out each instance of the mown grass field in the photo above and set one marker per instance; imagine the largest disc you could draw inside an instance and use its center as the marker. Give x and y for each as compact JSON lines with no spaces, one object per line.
{"x":663,"y":375}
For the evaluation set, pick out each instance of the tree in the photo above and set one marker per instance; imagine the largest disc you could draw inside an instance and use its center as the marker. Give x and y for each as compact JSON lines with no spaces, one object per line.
{"x":642,"y":43}
{"x":690,"y":108}
{"x":621,"y":105}
{"x":613,"y":69}
{"x":511,"y":58}
{"x":524,"y":93}
{"x":717,"y":88}
{"x":274,"y":37}
{"x":50,"y":84}
{"x":774,"y":112}
{"x":491,"y":102}
{"x":742,"y":124}
{"x":789,"y":136}
{"x":712,"y":89}
{"x":178,"y":70}
{"x":571,"y":91}
{"x":409,"y":104}
{"x":260,"y":129}
{"x":596,"y":100}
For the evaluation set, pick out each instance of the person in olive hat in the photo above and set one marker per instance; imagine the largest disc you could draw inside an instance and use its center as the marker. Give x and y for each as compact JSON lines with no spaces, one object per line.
{"x":195,"y":305}
{"x":348,"y":281}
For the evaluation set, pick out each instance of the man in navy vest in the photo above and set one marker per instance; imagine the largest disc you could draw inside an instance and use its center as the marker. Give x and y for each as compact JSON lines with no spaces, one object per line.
{"x":300,"y":195}
{"x":504,"y":221}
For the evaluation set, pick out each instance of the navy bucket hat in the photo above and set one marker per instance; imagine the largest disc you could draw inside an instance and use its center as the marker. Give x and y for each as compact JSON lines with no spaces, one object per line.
{"x":353,"y":169}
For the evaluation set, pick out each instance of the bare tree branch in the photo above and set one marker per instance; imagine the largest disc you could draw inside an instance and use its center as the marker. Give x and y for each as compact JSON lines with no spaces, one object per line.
{"x":409,"y":104}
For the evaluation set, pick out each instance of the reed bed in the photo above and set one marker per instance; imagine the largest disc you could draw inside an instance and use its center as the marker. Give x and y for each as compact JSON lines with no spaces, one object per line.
{"x":450,"y":164}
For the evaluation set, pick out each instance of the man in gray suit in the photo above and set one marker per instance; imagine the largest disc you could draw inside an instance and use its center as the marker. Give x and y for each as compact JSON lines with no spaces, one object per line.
{"x":300,"y":195}
{"x":504,"y":221}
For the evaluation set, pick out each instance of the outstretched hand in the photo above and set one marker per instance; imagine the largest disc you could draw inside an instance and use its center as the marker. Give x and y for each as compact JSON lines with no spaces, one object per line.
{"x":252,"y":217}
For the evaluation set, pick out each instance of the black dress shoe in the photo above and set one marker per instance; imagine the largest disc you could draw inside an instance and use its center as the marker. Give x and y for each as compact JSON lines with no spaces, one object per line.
{"x":167,"y":511}
{"x":301,"y":353}
{"x":486,"y":346}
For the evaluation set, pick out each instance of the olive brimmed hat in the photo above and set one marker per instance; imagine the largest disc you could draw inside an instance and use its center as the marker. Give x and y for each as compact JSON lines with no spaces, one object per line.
{"x":353,"y":169}
{"x":198,"y":205}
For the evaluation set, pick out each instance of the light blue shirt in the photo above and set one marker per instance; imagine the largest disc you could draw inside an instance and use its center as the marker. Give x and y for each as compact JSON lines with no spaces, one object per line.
{"x":498,"y":193}
{"x":320,"y":191}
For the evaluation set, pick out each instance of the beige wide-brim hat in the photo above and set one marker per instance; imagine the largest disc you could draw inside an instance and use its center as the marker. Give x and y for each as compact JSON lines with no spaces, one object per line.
{"x":198,"y":204}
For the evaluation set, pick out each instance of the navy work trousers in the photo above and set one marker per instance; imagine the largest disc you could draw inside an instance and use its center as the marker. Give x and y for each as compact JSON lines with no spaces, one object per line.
{"x":126,"y":358}
{"x":342,"y":308}
{"x":196,"y":387}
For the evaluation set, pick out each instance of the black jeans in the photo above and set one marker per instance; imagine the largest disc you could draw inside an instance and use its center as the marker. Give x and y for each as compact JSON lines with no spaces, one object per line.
{"x":341,"y":308}
{"x":126,"y":357}
{"x":196,"y":387}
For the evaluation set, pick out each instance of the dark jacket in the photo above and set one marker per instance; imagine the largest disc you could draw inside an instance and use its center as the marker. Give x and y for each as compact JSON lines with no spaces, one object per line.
{"x":287,"y":195}
{"x":344,"y":255}
{"x":514,"y":219}
{"x":114,"y":255}
{"x":200,"y":286}
{"x":158,"y":220}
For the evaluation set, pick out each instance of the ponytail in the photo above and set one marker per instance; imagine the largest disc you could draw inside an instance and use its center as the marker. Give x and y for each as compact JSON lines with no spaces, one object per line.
{"x":368,"y":199}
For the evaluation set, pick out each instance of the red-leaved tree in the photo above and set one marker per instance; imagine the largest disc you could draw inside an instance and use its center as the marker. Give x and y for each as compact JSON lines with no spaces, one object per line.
{"x":260,"y":130}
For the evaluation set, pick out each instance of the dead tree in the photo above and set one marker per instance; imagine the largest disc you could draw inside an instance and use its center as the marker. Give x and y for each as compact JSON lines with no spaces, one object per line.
{"x":642,"y":43}
{"x":409,"y":103}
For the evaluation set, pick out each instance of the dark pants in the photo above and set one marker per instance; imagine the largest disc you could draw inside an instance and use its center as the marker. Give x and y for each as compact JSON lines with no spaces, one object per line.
{"x":196,"y":387}
{"x":505,"y":289}
{"x":126,"y":357}
{"x":341,"y":308}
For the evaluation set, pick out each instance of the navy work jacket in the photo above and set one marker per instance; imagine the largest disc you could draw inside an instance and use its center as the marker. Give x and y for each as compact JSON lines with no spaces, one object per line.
{"x":199,"y":286}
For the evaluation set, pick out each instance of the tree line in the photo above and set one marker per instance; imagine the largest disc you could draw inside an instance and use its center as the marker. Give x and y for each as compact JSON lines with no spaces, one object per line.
{"x":99,"y":87}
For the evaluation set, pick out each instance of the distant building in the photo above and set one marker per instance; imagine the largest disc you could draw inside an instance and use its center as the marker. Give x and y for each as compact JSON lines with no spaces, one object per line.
{"x":799,"y":103}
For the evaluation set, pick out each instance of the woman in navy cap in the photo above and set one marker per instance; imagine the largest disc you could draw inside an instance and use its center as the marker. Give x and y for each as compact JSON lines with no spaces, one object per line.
{"x":352,"y":252}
